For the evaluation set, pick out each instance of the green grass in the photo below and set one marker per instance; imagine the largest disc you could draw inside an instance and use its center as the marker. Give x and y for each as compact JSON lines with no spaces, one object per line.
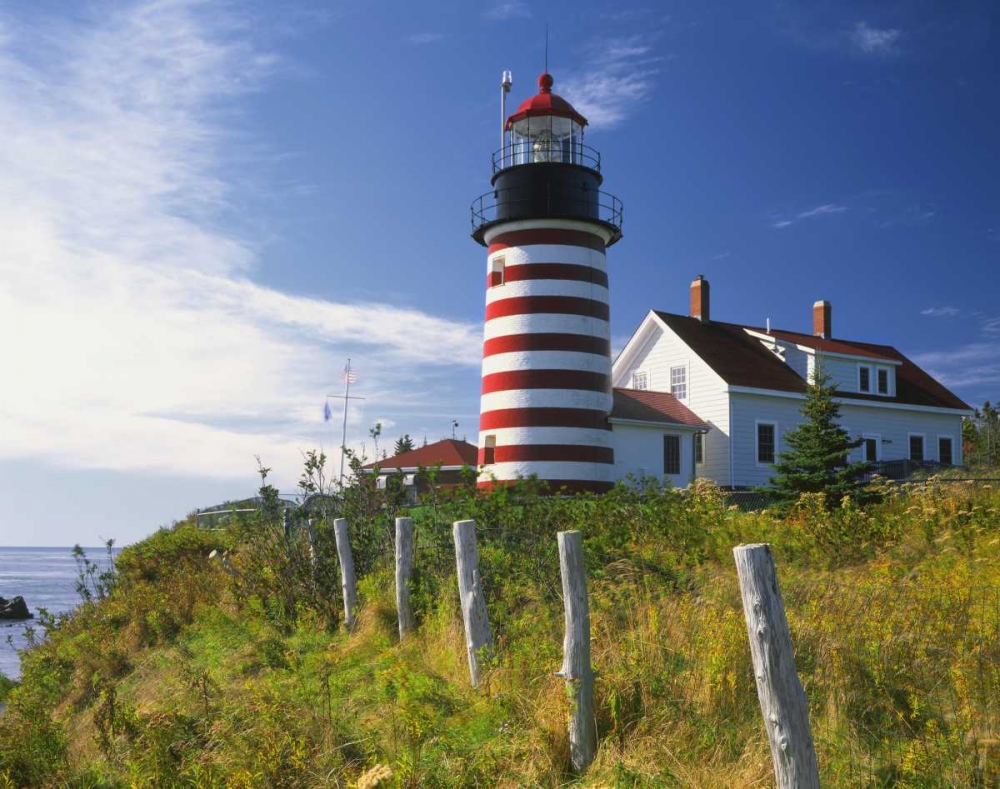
{"x":185,"y":677}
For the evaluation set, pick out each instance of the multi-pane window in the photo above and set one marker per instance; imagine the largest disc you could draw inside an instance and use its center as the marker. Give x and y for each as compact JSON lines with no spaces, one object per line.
{"x":671,"y":454}
{"x":864,"y":379}
{"x":679,"y":382}
{"x":765,"y":442}
{"x":944,"y":450}
{"x":883,"y":381}
{"x":640,"y":380}
{"x":916,"y":447}
{"x":699,"y":448}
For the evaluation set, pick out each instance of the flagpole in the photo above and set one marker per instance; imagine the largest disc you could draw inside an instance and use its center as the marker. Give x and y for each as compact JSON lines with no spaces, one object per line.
{"x":343,"y":439}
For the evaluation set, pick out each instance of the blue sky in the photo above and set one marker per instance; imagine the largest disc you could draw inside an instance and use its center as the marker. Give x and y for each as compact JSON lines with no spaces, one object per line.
{"x":206,"y":207}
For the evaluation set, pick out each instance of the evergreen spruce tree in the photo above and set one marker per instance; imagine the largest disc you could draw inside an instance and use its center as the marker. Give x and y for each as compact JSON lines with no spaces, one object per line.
{"x":817,"y":460}
{"x":403,"y":444}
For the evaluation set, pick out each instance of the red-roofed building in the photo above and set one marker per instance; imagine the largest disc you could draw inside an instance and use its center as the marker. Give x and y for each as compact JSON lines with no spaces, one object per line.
{"x":746,"y":386}
{"x":449,"y":455}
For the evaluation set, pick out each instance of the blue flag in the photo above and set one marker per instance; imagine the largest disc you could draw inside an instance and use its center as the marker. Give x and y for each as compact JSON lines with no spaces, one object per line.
{"x":327,"y":413}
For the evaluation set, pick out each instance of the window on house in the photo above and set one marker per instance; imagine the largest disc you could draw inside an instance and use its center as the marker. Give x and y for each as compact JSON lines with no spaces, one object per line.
{"x":699,"y":448}
{"x":883,"y":382}
{"x":916,"y":447}
{"x":870,"y":449}
{"x":489,"y":451}
{"x":765,"y":442}
{"x":679,"y":382}
{"x":497,"y":268}
{"x":671,"y":454}
{"x":944,"y":450}
{"x":640,"y":380}
{"x":864,"y":379}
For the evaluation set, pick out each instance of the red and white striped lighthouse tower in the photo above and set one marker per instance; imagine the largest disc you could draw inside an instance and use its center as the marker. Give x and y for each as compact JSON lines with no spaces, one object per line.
{"x":546,"y":388}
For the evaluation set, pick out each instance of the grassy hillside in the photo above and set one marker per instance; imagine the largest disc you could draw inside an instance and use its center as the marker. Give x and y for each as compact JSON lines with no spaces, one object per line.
{"x":183,"y":675}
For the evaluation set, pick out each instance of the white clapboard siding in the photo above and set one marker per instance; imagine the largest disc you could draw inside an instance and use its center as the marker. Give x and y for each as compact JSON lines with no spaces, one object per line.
{"x":707,"y":395}
{"x":893,"y":425}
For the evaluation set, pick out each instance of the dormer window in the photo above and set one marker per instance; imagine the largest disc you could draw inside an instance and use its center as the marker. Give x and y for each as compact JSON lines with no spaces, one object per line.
{"x":864,"y":378}
{"x":883,"y":381}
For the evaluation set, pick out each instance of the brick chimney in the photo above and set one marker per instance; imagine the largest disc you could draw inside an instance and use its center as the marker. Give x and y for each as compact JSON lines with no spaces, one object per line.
{"x":699,"y":299}
{"x":823,"y":319}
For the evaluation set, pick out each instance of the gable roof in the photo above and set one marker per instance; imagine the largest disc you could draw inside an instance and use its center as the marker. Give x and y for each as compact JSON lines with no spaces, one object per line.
{"x":648,"y":406}
{"x":447,"y":452}
{"x":742,"y":360}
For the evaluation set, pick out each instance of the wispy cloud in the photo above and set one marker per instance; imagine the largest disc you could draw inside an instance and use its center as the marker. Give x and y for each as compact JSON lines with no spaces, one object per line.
{"x":941,"y":312}
{"x":823,"y":210}
{"x":974,"y":367}
{"x":421,"y":39}
{"x":620,"y":77}
{"x":779,"y":220}
{"x":874,"y":40}
{"x":136,"y":338}
{"x":511,"y":9}
{"x":722,"y":255}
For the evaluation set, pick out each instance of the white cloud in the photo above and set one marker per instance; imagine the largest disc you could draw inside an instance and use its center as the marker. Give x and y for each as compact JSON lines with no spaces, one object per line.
{"x":779,"y":221}
{"x":874,"y":40}
{"x":425,"y":38}
{"x":940,"y":312}
{"x":133,"y":335}
{"x":618,"y":81}
{"x":822,"y":210}
{"x":512,"y":9}
{"x":965,"y":367}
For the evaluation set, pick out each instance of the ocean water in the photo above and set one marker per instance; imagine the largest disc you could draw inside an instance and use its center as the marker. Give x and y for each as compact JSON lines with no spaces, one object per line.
{"x":45,"y":578}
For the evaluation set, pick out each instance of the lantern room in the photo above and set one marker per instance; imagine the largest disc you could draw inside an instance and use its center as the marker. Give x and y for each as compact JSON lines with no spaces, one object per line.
{"x":544,"y":171}
{"x":545,"y":128}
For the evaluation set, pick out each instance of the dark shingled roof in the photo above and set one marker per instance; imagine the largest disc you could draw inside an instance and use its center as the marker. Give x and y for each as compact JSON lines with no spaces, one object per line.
{"x":447,"y":452}
{"x":741,"y":360}
{"x":646,"y":406}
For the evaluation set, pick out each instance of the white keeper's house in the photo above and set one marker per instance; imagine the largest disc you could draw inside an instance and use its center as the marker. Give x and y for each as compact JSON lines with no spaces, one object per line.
{"x":747,"y":385}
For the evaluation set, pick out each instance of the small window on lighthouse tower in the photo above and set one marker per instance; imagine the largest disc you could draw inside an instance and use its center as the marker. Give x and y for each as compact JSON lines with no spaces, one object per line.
{"x":489,"y":450}
{"x":497,"y":272}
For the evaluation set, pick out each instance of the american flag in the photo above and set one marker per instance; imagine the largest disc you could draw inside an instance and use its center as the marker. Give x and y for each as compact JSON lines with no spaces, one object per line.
{"x":350,"y":375}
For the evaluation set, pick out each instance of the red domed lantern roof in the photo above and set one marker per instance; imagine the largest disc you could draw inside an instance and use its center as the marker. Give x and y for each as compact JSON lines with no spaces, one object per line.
{"x":546,"y":103}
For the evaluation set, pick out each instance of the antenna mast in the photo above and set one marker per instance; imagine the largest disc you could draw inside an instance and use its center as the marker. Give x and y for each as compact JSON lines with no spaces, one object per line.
{"x":506,"y":80}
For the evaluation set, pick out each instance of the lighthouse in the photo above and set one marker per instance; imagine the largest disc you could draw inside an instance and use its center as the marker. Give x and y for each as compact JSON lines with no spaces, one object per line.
{"x":546,"y":225}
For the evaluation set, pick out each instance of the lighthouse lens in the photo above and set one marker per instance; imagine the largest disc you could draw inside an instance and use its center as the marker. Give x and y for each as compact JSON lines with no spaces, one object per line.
{"x":544,"y":149}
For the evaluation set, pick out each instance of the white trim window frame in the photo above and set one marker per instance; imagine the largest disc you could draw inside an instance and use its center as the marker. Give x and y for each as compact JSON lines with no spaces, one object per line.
{"x":923,"y":446}
{"x":951,"y":441}
{"x":756,"y":441}
{"x":877,"y":438}
{"x":679,"y":388}
{"x":870,"y":371}
{"x":640,"y":380}
{"x":698,"y":441}
{"x":887,"y":372}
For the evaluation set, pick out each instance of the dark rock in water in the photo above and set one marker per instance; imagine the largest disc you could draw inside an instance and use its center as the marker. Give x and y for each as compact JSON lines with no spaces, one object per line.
{"x":14,"y":609}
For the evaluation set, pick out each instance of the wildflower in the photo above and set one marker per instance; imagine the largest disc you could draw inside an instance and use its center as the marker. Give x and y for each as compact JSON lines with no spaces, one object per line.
{"x":374,"y":777}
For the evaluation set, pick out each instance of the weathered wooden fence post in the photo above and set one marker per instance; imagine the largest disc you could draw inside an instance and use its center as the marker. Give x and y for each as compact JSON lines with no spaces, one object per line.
{"x":404,"y":574}
{"x":782,"y":699}
{"x":576,"y":668}
{"x":347,"y":580}
{"x":470,"y":593}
